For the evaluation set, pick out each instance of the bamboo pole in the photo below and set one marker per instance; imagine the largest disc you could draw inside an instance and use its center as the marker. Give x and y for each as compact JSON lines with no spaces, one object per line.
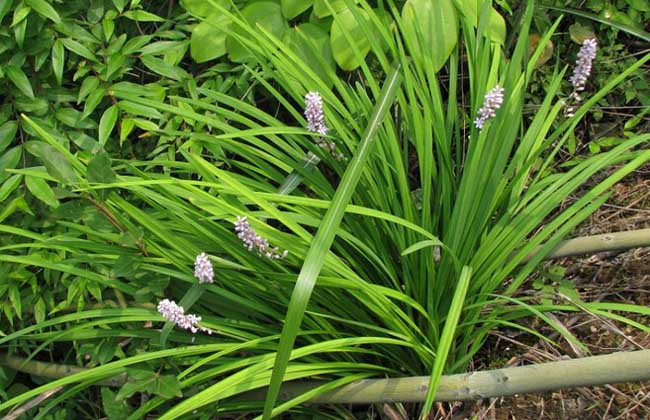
{"x":587,"y":371}
{"x":52,"y":370}
{"x":600,"y":243}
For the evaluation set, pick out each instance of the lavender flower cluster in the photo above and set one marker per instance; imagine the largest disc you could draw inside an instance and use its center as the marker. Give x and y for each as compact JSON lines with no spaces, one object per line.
{"x":176,"y":314}
{"x":203,"y":269}
{"x":581,"y":73}
{"x":253,"y":241}
{"x":314,"y":113}
{"x":493,"y":101}
{"x":316,"y":123}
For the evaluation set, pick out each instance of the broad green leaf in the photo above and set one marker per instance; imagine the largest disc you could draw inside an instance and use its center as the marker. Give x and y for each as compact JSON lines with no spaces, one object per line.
{"x":79,"y":49}
{"x":322,"y":241}
{"x":431,"y":30}
{"x":203,"y":8}
{"x":209,"y":39}
{"x":134,"y":44}
{"x":58,"y":60}
{"x":145,"y":124}
{"x":45,"y":9}
{"x":471,"y":9}
{"x":311,"y":44}
{"x":19,"y":33}
{"x":292,"y":8}
{"x":120,"y":4}
{"x":161,"y":47}
{"x":56,"y":163}
{"x":142,"y":16}
{"x":16,"y":301}
{"x":39,"y":310}
{"x":167,"y":386}
{"x":41,"y":190}
{"x":139,"y":381}
{"x":8,"y":131}
{"x":106,"y":350}
{"x":100,"y":170}
{"x":107,"y":123}
{"x":141,"y":110}
{"x":20,"y":13}
{"x":93,"y":101}
{"x":9,"y":186}
{"x":114,"y":409}
{"x":9,"y":160}
{"x":109,"y":28}
{"x":73,"y":118}
{"x":264,"y":14}
{"x":20,"y":80}
{"x":347,"y":33}
{"x":5,"y":6}
{"x":321,"y":8}
{"x":95,"y":11}
{"x":579,"y":33}
{"x":160,"y":67}
{"x":126,"y":127}
{"x":153,"y":91}
{"x":89,"y":85}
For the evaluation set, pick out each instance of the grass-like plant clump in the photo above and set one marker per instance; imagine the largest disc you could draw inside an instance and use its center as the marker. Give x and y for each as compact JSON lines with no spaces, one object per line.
{"x":383,"y":231}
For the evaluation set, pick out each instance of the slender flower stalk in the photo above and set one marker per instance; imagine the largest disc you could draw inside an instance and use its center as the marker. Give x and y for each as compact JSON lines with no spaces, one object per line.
{"x":316,"y":123}
{"x":581,"y":73}
{"x":176,"y":314}
{"x":203,"y":269}
{"x":493,"y":101}
{"x":253,"y":241}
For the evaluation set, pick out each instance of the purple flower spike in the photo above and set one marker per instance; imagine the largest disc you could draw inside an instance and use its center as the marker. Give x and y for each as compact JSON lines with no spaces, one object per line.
{"x":203,"y":269}
{"x":316,"y":123}
{"x":585,"y":59}
{"x":314,"y":113}
{"x":581,"y":73}
{"x":493,"y":101}
{"x":253,"y":241}
{"x":176,"y":314}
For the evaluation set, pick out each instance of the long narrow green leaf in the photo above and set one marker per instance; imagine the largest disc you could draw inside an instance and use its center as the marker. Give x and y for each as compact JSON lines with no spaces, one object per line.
{"x":639,"y":33}
{"x":447,"y":338}
{"x":323,"y":240}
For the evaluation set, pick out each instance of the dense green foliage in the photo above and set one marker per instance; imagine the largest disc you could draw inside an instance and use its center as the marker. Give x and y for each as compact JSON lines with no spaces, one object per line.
{"x":134,"y":133}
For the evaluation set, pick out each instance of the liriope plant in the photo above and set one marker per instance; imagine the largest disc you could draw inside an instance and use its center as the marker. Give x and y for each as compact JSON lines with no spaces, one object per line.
{"x":409,"y":205}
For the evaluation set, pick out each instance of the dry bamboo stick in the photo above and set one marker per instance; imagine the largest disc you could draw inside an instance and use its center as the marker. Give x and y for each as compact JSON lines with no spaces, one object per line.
{"x":52,"y":370}
{"x":600,"y":243}
{"x":588,"y":371}
{"x":551,"y":376}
